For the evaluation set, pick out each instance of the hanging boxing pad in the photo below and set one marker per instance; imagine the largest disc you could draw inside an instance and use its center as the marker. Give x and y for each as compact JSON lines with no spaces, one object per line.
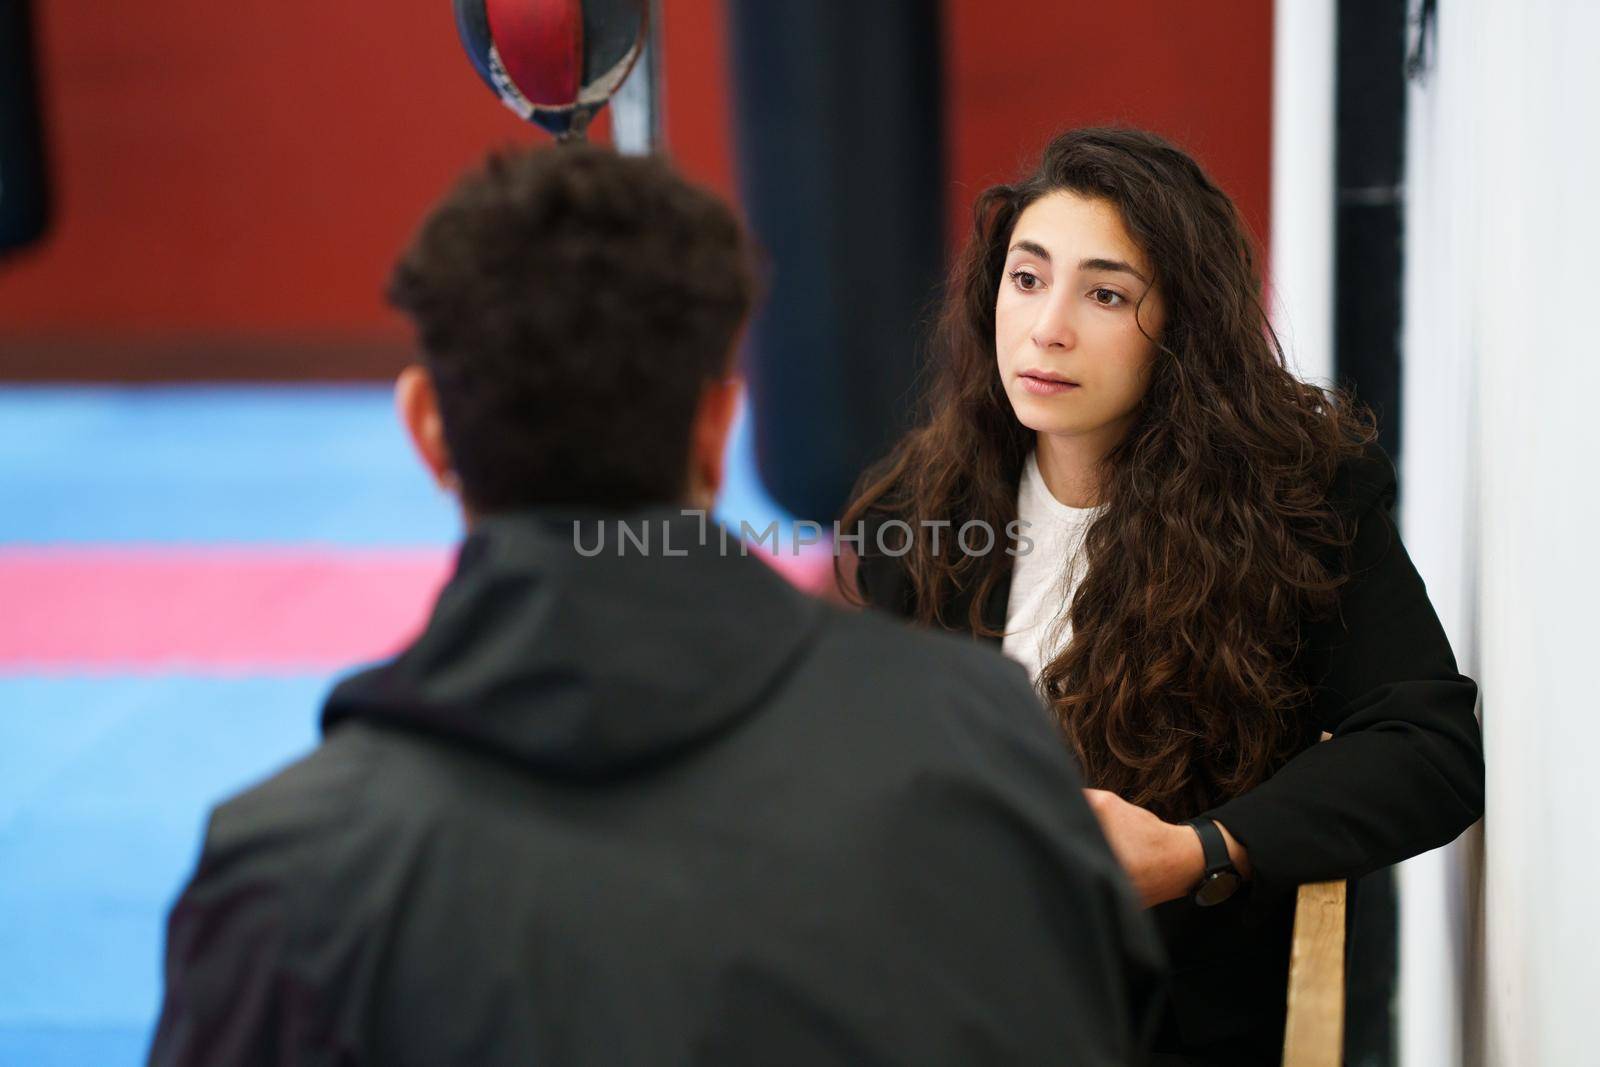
{"x":553,"y":62}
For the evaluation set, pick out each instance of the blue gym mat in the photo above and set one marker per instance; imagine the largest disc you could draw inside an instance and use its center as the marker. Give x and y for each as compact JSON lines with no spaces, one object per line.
{"x":105,"y":780}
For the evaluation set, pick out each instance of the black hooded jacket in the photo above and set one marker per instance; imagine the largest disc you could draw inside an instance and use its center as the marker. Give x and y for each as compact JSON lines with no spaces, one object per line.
{"x":1402,"y":773}
{"x":661,"y":809}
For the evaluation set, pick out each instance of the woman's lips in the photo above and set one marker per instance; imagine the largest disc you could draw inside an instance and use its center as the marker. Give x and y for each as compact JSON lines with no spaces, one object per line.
{"x":1046,"y":386}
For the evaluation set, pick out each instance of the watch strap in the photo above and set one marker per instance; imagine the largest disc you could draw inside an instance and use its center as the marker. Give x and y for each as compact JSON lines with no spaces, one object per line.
{"x":1213,"y":845}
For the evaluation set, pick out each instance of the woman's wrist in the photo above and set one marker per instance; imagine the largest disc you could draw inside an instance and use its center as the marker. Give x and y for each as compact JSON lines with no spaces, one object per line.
{"x":1187,"y":859}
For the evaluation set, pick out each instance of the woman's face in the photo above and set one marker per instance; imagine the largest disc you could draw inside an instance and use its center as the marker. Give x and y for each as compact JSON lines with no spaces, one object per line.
{"x":1066,"y":314}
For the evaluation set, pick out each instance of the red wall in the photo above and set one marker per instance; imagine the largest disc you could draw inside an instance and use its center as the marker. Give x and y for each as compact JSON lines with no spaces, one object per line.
{"x":238,"y":175}
{"x":1199,"y":74}
{"x":249,"y":170}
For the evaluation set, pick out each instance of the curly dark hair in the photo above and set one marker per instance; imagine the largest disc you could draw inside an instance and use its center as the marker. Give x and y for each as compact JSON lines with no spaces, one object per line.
{"x":571,"y":303}
{"x":1217,"y":535}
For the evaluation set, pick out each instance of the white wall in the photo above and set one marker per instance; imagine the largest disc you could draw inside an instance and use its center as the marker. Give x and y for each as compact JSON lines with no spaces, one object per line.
{"x":1300,"y":261}
{"x":1502,"y":369}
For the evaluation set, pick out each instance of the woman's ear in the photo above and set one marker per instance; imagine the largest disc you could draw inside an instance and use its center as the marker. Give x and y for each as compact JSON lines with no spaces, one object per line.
{"x":417,"y":404}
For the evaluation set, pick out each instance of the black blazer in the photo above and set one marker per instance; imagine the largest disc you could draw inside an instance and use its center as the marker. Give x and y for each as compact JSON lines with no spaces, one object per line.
{"x":1403,"y":773}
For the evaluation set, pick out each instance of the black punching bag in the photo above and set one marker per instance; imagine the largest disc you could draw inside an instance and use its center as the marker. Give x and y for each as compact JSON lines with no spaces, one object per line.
{"x":838,"y":120}
{"x":23,"y":201}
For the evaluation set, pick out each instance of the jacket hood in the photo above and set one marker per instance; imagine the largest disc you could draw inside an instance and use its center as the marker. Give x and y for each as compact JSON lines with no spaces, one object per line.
{"x":581,"y":664}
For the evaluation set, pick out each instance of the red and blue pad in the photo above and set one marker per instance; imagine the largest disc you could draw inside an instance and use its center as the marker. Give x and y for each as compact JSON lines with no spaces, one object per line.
{"x":554,"y":62}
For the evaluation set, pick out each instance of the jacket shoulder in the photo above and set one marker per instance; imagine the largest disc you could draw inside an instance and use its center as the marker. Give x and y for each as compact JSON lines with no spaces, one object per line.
{"x":926,"y":683}
{"x":1363,"y":482}
{"x":282,"y":831}
{"x":937,"y":652}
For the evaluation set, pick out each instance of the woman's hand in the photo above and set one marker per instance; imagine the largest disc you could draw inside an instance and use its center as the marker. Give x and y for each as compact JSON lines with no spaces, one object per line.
{"x":1162,"y":859}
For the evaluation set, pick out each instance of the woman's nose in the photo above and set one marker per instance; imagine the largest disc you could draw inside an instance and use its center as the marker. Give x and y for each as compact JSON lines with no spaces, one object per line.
{"x":1054,"y":328}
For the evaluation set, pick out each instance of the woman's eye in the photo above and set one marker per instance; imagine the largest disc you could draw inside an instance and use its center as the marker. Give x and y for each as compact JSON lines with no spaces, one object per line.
{"x":1107,"y":297}
{"x":1027,"y":281}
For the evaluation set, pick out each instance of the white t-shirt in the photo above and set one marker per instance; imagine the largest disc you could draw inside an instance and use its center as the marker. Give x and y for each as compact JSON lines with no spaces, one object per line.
{"x":1043,"y":580}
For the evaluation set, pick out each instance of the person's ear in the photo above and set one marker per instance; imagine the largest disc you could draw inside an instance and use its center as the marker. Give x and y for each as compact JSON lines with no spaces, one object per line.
{"x":417,"y":404}
{"x":713,"y":421}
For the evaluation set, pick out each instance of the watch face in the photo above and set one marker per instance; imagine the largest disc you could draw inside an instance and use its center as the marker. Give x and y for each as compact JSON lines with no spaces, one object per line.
{"x":1216,"y":888}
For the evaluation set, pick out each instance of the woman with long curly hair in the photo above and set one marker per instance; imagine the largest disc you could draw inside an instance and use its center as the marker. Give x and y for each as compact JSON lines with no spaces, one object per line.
{"x":1118,"y":479}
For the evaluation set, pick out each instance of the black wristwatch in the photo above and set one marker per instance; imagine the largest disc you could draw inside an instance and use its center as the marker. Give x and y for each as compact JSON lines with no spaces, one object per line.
{"x":1221,"y":877}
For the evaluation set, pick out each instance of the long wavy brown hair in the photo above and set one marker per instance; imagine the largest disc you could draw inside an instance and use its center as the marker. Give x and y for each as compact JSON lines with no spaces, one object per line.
{"x":1216,"y":537}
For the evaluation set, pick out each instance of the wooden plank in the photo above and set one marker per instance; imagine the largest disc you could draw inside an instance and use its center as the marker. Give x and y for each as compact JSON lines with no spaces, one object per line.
{"x":1314,"y":1035}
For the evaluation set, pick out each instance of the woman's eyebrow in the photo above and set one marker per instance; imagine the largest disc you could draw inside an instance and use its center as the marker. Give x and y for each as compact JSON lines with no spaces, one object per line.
{"x":1112,"y":265}
{"x":1032,"y":249}
{"x":1116,"y":265}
